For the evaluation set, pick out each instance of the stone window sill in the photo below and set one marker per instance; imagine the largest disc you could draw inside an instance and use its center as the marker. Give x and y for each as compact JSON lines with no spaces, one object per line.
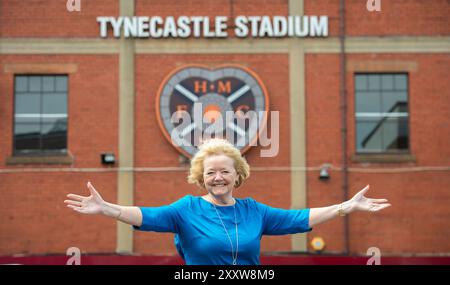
{"x":45,"y":159}
{"x":384,"y":158}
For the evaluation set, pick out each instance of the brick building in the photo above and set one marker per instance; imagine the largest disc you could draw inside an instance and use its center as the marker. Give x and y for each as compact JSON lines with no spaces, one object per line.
{"x":369,"y":102}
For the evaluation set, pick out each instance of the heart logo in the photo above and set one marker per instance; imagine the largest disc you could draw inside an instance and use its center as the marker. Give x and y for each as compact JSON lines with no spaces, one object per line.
{"x":194,"y":102}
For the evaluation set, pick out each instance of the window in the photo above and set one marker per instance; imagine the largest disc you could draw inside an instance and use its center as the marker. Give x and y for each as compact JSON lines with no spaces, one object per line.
{"x":381,"y":106}
{"x":40,"y":114}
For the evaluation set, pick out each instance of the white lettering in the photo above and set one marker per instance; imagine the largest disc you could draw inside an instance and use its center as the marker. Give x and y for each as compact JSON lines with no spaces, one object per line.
{"x":184,"y":30}
{"x":241,"y":30}
{"x":196,"y":26}
{"x":155,"y":30}
{"x":319,"y":27}
{"x":178,"y":134}
{"x":116,"y":25}
{"x":290,"y":26}
{"x":254,"y":22}
{"x":75,"y":254}
{"x":206,"y":31}
{"x":375,"y":252}
{"x":373,"y":5}
{"x":191,"y":275}
{"x":170,"y":28}
{"x":103,"y":26}
{"x":279,"y":26}
{"x":301,"y":30}
{"x":196,"y":22}
{"x":73,"y":5}
{"x":266,"y":27}
{"x":239,"y":127}
{"x":274,"y":140}
{"x":221,"y":26}
{"x":143,"y":25}
{"x":130,"y":27}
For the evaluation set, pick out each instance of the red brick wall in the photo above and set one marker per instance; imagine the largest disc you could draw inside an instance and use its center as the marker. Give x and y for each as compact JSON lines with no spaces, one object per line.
{"x":416,"y":223}
{"x":50,"y":18}
{"x":33,"y":218}
{"x":396,"y":18}
{"x":93,"y":94}
{"x":211,"y":8}
{"x":418,"y":220}
{"x":323,"y":141}
{"x":152,"y":149}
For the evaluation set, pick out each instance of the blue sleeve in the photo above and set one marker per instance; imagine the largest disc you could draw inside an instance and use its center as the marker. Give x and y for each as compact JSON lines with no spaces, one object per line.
{"x":280,"y":221}
{"x":161,"y":219}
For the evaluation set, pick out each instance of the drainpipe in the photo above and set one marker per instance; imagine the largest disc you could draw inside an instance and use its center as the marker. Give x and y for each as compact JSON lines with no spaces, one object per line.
{"x":343,"y":107}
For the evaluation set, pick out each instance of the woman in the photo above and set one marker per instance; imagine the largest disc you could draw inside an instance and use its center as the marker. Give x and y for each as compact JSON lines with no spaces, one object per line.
{"x":217,"y":228}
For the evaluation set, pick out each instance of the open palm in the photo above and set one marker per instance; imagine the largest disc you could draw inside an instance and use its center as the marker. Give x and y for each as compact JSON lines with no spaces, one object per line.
{"x":362,"y":203}
{"x":92,"y":204}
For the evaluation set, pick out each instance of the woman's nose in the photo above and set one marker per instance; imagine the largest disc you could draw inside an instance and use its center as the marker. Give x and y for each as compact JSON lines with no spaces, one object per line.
{"x":218,"y":176}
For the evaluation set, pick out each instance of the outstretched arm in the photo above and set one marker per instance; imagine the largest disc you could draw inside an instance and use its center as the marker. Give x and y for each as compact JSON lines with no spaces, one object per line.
{"x":357,"y":203}
{"x":94,"y":204}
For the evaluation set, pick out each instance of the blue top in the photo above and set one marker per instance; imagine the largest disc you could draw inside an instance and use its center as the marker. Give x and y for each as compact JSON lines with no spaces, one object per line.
{"x":200,"y":237}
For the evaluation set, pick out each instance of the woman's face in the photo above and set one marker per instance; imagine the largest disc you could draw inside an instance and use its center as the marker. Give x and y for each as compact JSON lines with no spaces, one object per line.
{"x":219,"y":174}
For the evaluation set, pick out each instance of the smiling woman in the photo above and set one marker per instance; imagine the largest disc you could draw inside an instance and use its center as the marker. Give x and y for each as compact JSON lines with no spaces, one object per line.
{"x":219,"y":168}
{"x":217,"y":229}
{"x":220,"y":178}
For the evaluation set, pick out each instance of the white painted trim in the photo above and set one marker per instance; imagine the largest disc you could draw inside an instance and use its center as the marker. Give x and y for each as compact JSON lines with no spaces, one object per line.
{"x":381,"y":114}
{"x":226,"y":46}
{"x":125,"y":180}
{"x":40,"y":115}
{"x":297,"y":121}
{"x":58,"y":46}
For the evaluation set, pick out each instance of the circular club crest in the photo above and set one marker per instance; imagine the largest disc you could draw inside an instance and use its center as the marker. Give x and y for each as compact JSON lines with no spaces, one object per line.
{"x":195,"y":102}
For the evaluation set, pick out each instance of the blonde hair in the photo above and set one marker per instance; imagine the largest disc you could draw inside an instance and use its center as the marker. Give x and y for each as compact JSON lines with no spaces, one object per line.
{"x":217,"y":147}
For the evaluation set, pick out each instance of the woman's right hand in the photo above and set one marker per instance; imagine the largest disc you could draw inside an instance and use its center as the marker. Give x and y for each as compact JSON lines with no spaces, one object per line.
{"x":93,"y":204}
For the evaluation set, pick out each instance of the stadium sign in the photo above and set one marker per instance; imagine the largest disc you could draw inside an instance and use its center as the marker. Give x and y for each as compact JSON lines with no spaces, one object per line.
{"x":217,"y":27}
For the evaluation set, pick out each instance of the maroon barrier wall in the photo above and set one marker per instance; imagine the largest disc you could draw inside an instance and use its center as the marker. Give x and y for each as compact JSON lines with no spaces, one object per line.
{"x":265,"y":260}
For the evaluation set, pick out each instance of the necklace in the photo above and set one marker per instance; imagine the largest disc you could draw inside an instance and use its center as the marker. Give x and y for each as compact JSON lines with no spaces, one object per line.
{"x":234,"y":254}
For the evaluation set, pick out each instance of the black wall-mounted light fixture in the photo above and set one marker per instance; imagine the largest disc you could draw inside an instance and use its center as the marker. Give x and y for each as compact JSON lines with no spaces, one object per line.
{"x":108,"y":158}
{"x":324,"y":173}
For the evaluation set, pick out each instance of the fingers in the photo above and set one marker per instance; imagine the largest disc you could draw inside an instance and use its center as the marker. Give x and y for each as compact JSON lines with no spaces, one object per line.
{"x":362,"y":192}
{"x":378,"y":207}
{"x":71,"y":202}
{"x":385,"y":206}
{"x":76,"y":208}
{"x":72,"y":207}
{"x":365,"y":189}
{"x":92,"y":189}
{"x":378,"y":200}
{"x":76,"y":197}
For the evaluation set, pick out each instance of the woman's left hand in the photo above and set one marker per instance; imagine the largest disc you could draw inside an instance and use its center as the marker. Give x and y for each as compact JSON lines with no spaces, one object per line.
{"x":361,"y":203}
